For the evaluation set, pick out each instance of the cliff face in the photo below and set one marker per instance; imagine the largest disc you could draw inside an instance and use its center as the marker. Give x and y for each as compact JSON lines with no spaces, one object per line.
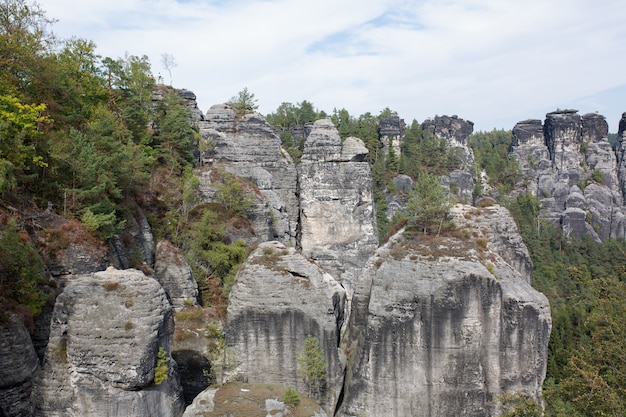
{"x":431,"y":326}
{"x":456,"y":132}
{"x":337,"y":222}
{"x":100,"y":361}
{"x":442,"y":326}
{"x":247,"y":147}
{"x":568,"y":163}
{"x":280,"y":298}
{"x":18,"y":366}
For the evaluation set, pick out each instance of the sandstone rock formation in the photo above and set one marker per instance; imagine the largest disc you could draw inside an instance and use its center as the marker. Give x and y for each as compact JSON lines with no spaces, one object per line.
{"x":337,"y":221}
{"x":391,"y":132}
{"x":248,"y":147}
{"x":456,"y":132}
{"x":279,"y":298}
{"x":568,"y":163}
{"x":441,"y":326}
{"x":106,"y":331}
{"x":18,"y":365}
{"x":174,"y":274}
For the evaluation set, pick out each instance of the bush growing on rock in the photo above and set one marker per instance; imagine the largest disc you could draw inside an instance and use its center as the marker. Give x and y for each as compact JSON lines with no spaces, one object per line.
{"x":161,"y":368}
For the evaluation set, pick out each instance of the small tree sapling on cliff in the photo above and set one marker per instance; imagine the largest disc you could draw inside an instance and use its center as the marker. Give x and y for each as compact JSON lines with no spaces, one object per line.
{"x":312,"y":366}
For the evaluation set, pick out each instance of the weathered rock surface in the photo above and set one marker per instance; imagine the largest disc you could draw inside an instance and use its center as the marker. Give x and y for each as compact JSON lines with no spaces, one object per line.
{"x":18,"y":365}
{"x":441,"y":326}
{"x":248,"y":147}
{"x":568,"y":163}
{"x":279,"y":298}
{"x":456,"y":132}
{"x":174,"y":274}
{"x":106,"y":331}
{"x":337,"y":221}
{"x":391,"y":132}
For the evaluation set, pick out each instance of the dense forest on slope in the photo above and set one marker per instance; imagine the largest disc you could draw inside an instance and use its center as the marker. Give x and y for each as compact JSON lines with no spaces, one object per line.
{"x":81,"y":133}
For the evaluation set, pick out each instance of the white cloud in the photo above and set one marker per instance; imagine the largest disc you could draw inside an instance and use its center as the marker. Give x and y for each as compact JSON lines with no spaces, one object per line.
{"x":494,"y":62}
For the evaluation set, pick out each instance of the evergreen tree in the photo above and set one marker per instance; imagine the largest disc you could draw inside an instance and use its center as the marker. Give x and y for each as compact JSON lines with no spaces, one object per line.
{"x":428,"y":204}
{"x":312,"y":366}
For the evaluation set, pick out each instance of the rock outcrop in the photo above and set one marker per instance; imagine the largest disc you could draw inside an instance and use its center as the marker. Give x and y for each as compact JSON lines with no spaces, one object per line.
{"x":18,"y":365}
{"x":174,"y":274}
{"x":278,"y":299}
{"x":248,"y":147}
{"x":391,"y":133}
{"x":337,"y":221}
{"x":568,"y":163}
{"x":441,"y":326}
{"x":107,"y":329}
{"x":456,"y":132}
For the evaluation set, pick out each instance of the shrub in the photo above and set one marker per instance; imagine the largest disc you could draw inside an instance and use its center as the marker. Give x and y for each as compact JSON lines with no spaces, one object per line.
{"x":161,"y":368}
{"x":291,"y":397}
{"x":21,"y":270}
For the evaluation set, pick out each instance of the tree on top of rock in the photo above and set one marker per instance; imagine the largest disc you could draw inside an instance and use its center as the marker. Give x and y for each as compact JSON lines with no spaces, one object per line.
{"x":244,"y":102}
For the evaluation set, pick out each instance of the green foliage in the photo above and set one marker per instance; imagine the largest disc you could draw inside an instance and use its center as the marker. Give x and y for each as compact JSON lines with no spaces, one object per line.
{"x":20,"y":126}
{"x":491,"y":152}
{"x":161,"y":367}
{"x":312,"y":366}
{"x":233,"y":196}
{"x":422,"y":151}
{"x":584,"y":282}
{"x":21,"y":271}
{"x":517,"y":405}
{"x":428,"y":204}
{"x":211,"y":254}
{"x":244,"y":102}
{"x":291,"y":398}
{"x":25,"y":42}
{"x":176,"y":138}
{"x":221,"y":357}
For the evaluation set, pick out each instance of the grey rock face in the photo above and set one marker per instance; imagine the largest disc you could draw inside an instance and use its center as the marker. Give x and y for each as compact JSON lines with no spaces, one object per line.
{"x":136,"y":237}
{"x":570,"y":166}
{"x":249,"y":148}
{"x":456,"y":132}
{"x":391,"y":131}
{"x":174,"y":274}
{"x":337,"y":221}
{"x":442,"y":327}
{"x":279,"y":298}
{"x":18,"y":365}
{"x":106,"y":331}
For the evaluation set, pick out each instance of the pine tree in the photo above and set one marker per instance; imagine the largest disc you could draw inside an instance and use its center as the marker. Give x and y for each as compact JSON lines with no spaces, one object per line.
{"x":312,"y":366}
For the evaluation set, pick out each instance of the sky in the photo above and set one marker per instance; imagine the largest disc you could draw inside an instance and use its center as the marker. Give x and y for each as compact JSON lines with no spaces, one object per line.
{"x":493,"y":62}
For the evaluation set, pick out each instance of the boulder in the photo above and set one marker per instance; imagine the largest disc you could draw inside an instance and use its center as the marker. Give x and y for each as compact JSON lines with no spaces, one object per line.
{"x":107,"y":329}
{"x":278,"y":299}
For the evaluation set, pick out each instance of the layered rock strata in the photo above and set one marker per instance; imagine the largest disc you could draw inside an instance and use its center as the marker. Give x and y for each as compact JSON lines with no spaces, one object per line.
{"x":337,"y":221}
{"x":278,"y":299}
{"x":569,"y":164}
{"x":107,"y":329}
{"x":247,"y":146}
{"x":441,"y":326}
{"x":456,"y":132}
{"x":18,"y":365}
